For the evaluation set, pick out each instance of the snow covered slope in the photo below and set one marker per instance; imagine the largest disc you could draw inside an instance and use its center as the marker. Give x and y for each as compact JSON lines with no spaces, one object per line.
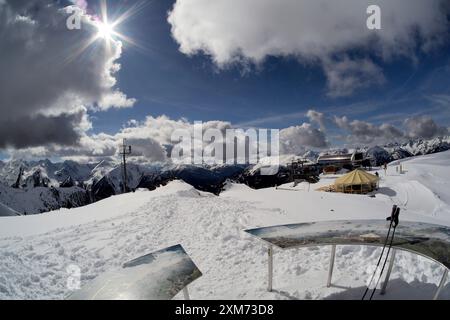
{"x":7,"y":211}
{"x":35,"y":251}
{"x":42,"y":199}
{"x":427,"y":187}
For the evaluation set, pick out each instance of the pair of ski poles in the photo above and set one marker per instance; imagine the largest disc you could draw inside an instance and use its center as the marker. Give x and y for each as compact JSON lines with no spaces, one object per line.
{"x":393,"y":218}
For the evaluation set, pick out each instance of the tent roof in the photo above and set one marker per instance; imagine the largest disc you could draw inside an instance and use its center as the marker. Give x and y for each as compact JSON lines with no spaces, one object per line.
{"x":356,"y":177}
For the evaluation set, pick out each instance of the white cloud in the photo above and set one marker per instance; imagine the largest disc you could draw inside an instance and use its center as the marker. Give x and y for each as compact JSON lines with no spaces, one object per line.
{"x":115,"y":99}
{"x":296,"y":139}
{"x":362,"y":132}
{"x":424,"y":127}
{"x":151,"y":139}
{"x":315,"y":31}
{"x":345,"y":76}
{"x":317,"y":117}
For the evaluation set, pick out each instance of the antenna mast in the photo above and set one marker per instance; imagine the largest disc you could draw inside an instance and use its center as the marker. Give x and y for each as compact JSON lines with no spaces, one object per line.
{"x":126,"y":150}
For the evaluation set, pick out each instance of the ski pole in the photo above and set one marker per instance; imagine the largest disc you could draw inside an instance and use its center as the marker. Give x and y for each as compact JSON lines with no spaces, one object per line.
{"x":395,"y":221}
{"x":382,"y":269}
{"x":394,"y":208}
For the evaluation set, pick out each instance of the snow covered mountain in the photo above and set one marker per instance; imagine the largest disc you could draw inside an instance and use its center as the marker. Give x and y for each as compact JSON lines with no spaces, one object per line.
{"x":77,"y":184}
{"x":396,"y":151}
{"x":40,"y":186}
{"x":311,"y":155}
{"x":42,"y":199}
{"x":107,"y":181}
{"x":26,"y":174}
{"x":422,"y":147}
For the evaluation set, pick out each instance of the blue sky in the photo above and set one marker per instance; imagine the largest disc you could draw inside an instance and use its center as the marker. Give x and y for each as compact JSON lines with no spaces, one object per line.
{"x":276,"y":94}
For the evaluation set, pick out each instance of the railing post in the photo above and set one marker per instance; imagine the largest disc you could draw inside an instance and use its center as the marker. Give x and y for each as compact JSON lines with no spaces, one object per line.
{"x":441,"y":284}
{"x":388,"y":274}
{"x":186,"y":293}
{"x":330,"y":269}
{"x":270,"y":254}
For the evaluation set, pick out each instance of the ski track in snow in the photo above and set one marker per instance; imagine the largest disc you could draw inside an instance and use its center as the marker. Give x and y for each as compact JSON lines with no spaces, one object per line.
{"x":210,"y":228}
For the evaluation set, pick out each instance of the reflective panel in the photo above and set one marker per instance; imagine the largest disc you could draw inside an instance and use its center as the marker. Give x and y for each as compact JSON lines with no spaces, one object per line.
{"x":156,"y":276}
{"x":432,"y":241}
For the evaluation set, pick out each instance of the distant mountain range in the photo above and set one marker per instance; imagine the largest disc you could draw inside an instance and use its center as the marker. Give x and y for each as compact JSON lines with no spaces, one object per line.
{"x":30,"y":187}
{"x":396,"y":151}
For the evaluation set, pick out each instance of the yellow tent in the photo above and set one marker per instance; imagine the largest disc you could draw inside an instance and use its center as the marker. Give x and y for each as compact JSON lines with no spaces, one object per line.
{"x":357,"y":181}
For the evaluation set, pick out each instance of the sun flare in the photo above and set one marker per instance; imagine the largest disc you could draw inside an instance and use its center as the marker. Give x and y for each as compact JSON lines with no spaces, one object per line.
{"x":105,"y":30}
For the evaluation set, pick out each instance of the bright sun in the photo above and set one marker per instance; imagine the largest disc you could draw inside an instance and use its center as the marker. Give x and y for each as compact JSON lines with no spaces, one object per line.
{"x":105,"y":30}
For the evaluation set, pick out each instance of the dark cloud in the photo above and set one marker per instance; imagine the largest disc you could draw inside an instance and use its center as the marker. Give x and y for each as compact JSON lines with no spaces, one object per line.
{"x":148,"y":149}
{"x":44,"y":76}
{"x":391,"y":132}
{"x":40,"y":130}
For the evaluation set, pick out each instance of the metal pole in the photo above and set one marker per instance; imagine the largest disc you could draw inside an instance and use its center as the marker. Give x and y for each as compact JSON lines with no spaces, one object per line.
{"x":441,"y":284}
{"x":186,"y":293}
{"x":124,"y":155}
{"x":270,"y":253}
{"x":330,"y":269}
{"x":125,"y":180}
{"x":388,"y":274}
